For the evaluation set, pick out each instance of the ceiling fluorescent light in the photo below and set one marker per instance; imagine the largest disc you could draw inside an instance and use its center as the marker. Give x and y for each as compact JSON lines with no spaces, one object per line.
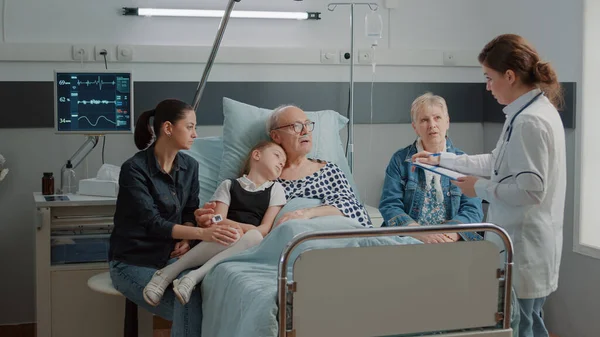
{"x":219,"y":13}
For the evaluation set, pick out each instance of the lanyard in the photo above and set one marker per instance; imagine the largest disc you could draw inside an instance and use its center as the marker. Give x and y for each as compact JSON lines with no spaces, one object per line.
{"x":508,"y":133}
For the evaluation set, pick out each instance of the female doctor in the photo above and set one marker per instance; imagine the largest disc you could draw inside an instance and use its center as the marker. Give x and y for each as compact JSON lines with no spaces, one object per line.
{"x":527,"y":170}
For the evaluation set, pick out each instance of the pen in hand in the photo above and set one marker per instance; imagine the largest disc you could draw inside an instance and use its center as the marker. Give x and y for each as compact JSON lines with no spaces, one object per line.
{"x":430,"y":155}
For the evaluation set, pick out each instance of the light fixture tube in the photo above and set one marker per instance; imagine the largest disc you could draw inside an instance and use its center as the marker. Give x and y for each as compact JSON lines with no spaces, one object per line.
{"x":219,"y":13}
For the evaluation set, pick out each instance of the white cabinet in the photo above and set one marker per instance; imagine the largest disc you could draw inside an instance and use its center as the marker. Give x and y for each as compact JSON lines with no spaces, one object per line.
{"x":71,"y":246}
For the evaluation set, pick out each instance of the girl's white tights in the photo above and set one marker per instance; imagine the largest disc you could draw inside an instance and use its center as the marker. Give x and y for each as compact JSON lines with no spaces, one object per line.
{"x":206,"y":255}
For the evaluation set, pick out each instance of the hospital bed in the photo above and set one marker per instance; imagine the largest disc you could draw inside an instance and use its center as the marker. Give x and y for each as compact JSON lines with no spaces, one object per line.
{"x":396,"y":290}
{"x":456,"y":289}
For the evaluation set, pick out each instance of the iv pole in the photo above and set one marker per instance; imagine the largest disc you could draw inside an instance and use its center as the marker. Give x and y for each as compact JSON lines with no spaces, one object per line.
{"x":331,"y":7}
{"x":213,"y":53}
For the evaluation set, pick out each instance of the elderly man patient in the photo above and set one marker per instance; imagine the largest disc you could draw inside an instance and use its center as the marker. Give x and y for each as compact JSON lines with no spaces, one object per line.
{"x":312,"y":178}
{"x":419,"y":197}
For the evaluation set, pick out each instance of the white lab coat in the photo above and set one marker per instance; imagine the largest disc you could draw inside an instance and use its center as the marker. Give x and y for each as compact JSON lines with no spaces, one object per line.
{"x":527,"y":195}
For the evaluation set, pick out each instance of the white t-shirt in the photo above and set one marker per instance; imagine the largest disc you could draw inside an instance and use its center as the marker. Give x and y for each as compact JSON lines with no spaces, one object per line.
{"x":223,"y":194}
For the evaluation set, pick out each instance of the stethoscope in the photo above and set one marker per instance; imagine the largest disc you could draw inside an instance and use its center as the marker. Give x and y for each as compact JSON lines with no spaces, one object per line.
{"x":508,"y":133}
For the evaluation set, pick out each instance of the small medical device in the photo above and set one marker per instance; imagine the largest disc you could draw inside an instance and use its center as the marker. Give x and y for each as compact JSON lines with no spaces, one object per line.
{"x":217,"y":218}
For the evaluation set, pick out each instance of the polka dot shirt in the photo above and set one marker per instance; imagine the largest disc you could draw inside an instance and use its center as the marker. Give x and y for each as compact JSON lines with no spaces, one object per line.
{"x":330,"y":185}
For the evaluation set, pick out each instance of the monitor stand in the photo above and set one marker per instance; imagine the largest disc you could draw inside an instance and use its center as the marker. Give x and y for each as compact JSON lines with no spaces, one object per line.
{"x":79,"y":156}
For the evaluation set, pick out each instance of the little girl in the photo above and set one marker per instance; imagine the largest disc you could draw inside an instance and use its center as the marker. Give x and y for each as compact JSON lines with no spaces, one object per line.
{"x":248,"y":205}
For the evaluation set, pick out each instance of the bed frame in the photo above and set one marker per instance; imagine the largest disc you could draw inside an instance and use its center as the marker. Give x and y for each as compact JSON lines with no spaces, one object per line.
{"x":452,"y":289}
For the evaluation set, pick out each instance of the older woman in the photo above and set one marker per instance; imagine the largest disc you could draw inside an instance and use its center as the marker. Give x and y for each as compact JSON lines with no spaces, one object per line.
{"x":419,"y":197}
{"x":304,"y":177}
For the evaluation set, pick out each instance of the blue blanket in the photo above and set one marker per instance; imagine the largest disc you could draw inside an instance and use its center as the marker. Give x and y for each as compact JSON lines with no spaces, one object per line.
{"x":240,"y":294}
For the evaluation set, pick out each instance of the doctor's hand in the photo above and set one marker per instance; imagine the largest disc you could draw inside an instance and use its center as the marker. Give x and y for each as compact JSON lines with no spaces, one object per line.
{"x":467,"y":185}
{"x":425,"y":157}
{"x":204,"y":215}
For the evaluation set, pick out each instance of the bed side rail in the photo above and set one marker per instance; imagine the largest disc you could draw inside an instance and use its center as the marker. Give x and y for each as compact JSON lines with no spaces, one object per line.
{"x":334,"y":279}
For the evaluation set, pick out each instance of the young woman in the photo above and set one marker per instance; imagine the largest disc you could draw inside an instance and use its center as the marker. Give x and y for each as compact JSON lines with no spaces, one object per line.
{"x":157,"y":212}
{"x":527,"y":188}
{"x":249,"y":204}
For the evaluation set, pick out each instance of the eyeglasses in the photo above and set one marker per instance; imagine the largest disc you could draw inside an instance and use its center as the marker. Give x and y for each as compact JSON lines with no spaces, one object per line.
{"x":310,"y":126}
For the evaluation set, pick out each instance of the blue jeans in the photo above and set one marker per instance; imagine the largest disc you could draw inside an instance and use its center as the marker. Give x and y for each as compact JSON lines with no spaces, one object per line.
{"x":130,"y":281}
{"x":532,"y":324}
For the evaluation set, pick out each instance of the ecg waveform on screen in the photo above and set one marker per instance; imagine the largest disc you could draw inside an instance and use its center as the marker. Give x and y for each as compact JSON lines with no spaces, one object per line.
{"x":99,"y":82}
{"x":97,"y":120}
{"x":96,"y":102}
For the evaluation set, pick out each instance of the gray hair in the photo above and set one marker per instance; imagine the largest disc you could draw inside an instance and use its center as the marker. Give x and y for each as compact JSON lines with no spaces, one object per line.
{"x":273,"y":120}
{"x":427,"y":100}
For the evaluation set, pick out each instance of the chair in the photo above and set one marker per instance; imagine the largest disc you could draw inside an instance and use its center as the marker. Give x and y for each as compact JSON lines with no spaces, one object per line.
{"x":103,"y":284}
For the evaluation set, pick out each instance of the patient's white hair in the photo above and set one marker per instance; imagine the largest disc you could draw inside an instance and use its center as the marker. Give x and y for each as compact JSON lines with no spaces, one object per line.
{"x":425,"y":101}
{"x":273,"y":120}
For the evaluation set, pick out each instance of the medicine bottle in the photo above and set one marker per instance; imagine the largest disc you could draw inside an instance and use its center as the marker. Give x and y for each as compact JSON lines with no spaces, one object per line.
{"x":48,"y":183}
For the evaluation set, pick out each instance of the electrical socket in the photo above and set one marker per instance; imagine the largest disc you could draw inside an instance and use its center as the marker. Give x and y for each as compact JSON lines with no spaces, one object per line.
{"x":329,"y":56}
{"x":124,"y":53}
{"x":365,"y":56}
{"x":345,"y":57}
{"x":449,"y":58}
{"x":81,"y":52}
{"x":109,"y":52}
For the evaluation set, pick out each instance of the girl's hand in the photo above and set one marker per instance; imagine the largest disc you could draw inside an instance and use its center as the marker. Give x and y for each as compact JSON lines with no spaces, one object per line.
{"x":181,"y":248}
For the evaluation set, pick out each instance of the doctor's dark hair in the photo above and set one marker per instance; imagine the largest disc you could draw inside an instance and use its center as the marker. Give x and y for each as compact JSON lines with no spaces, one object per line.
{"x":513,"y":52}
{"x":169,"y":110}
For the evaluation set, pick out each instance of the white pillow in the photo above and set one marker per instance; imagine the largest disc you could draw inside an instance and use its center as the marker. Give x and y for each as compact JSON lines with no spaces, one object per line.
{"x":208,"y":151}
{"x":245,"y":125}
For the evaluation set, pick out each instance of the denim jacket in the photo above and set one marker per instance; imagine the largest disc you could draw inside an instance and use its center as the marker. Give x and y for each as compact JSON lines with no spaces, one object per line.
{"x":403,"y":194}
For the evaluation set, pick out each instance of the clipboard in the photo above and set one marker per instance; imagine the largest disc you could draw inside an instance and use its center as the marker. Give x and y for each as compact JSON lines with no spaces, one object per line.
{"x":453,"y":175}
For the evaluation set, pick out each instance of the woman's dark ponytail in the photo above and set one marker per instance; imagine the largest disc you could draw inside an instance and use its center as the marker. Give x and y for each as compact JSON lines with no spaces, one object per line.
{"x":169,"y":110}
{"x":143,"y":134}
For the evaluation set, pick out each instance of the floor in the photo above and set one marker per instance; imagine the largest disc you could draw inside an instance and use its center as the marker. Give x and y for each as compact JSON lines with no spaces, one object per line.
{"x":162,"y":328}
{"x":23,"y":330}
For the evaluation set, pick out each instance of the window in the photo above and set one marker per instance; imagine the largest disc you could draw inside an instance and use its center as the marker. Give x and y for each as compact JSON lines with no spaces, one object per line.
{"x":586,"y":234}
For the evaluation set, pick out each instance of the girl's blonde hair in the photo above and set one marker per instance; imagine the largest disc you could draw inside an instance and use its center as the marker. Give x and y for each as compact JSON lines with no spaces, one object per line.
{"x":263,"y":144}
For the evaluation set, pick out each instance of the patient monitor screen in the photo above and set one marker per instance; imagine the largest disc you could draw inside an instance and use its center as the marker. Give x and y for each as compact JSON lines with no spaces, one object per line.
{"x":88,"y":102}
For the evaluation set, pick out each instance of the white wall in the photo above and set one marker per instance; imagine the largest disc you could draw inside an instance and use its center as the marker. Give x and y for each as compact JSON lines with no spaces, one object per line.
{"x":416,"y":25}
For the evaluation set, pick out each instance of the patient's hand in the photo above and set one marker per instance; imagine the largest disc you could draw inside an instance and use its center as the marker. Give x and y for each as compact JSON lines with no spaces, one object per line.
{"x":432,"y":238}
{"x":204,"y":215}
{"x":297,"y":214}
